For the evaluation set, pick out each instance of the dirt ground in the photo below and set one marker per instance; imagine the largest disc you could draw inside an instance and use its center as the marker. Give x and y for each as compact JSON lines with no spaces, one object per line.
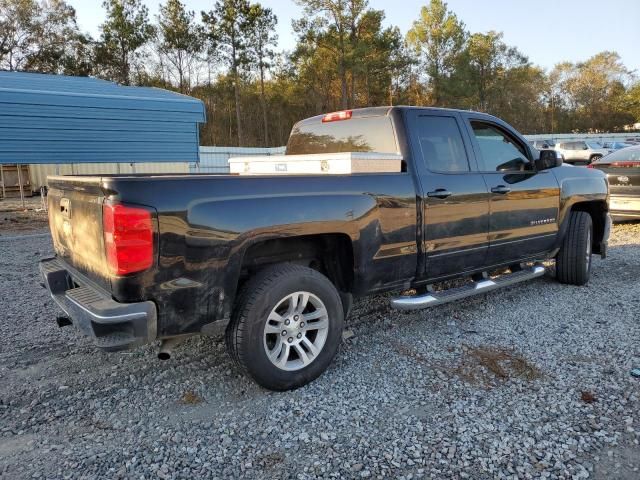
{"x":15,"y":217}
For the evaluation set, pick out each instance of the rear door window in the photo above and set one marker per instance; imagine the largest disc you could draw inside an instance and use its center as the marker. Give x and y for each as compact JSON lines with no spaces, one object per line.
{"x":440,"y":144}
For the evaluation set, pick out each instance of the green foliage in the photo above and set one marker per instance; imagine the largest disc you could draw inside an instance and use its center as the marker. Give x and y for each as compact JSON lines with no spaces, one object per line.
{"x":41,"y":36}
{"x":261,"y":48}
{"x":126,"y":30}
{"x":181,"y":42}
{"x":592,"y":95}
{"x":499,"y":79}
{"x":438,"y":38}
{"x":632,"y":102}
{"x":345,"y":58}
{"x":229,"y":28}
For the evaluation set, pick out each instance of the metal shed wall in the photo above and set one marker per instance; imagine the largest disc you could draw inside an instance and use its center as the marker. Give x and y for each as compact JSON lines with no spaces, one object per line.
{"x":212,"y":160}
{"x":39,"y":172}
{"x":216,"y":159}
{"x":59,"y":119}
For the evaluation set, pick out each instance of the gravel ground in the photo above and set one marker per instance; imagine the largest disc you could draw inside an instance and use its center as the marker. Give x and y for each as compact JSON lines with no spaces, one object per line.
{"x":14,"y":216}
{"x":530,"y":381}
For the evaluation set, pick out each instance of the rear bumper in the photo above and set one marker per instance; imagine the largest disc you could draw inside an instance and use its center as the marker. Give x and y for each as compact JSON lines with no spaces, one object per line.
{"x":113,"y":326}
{"x":623,"y":207}
{"x":604,"y":244}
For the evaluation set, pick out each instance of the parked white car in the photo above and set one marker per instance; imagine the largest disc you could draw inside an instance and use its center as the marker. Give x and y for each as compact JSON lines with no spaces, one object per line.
{"x":581,"y":151}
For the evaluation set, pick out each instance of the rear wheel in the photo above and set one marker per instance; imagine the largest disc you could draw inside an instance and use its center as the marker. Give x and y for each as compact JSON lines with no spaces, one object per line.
{"x":594,"y":158}
{"x":573,"y":261}
{"x":286,"y":327}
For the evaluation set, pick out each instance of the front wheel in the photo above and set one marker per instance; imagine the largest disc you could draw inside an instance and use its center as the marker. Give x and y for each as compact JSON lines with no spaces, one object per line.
{"x":286,"y":327}
{"x":573,"y":261}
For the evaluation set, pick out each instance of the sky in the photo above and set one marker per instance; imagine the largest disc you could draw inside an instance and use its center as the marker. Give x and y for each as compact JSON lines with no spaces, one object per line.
{"x":547,"y":31}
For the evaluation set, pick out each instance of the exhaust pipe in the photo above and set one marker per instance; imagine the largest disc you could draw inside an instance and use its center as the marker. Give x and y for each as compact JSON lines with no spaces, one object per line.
{"x":167,"y":346}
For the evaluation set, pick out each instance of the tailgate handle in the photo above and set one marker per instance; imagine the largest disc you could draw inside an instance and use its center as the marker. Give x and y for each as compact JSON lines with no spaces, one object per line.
{"x":65,"y":207}
{"x":439,"y":193}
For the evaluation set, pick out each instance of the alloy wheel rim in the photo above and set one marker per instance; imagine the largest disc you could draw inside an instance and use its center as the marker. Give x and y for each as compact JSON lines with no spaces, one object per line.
{"x":296,"y":331}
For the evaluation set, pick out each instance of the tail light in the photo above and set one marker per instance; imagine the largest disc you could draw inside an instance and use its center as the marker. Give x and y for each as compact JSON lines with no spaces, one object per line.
{"x":591,"y":165}
{"x":626,"y":164}
{"x":128,"y":238}
{"x":337,"y":116}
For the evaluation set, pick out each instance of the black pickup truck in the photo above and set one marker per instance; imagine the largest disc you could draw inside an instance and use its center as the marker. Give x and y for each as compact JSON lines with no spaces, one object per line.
{"x":275,"y":261}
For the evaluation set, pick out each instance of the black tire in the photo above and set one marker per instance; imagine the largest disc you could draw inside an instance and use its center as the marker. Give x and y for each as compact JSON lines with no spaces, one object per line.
{"x":245,"y":334}
{"x":594,"y":158}
{"x":573,"y":261}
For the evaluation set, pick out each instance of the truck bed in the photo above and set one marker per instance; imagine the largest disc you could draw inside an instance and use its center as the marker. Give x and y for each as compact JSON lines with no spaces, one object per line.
{"x":207,"y":223}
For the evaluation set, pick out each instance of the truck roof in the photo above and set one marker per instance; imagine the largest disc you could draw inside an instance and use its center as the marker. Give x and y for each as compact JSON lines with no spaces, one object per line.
{"x":386,"y":110}
{"x":374,"y":131}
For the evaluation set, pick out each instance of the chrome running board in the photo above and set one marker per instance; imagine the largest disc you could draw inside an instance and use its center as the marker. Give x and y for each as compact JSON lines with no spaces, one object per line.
{"x":430,"y":299}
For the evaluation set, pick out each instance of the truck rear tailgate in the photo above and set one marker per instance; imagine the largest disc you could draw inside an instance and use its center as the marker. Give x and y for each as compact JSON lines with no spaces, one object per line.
{"x":75,"y":219}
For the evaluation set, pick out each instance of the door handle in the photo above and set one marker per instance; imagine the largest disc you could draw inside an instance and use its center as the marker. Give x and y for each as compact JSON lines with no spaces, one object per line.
{"x":501,"y":189}
{"x":439,"y":193}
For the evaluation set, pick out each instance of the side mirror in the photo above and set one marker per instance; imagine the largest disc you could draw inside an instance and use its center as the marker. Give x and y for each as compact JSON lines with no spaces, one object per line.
{"x":517,"y":164}
{"x":548,"y":159}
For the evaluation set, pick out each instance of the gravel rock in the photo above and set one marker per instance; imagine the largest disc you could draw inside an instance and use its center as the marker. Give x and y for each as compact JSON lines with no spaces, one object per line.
{"x":489,"y":387}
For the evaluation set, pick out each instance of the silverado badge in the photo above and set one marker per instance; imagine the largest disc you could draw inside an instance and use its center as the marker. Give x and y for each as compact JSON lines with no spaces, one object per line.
{"x":542,"y":221}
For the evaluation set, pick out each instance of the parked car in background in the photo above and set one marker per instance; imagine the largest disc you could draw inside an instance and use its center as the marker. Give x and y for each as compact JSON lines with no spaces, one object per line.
{"x":622,"y":168}
{"x":581,"y":152}
{"x":616,"y":145}
{"x":559,"y":156}
{"x":633,"y":140}
{"x":542,"y":144}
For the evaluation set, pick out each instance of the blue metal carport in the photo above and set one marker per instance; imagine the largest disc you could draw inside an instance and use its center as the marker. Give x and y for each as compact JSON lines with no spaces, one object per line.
{"x":59,"y":119}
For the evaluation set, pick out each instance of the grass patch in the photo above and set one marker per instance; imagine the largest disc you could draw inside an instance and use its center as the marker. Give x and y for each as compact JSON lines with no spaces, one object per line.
{"x":190,"y":398}
{"x":487,"y":365}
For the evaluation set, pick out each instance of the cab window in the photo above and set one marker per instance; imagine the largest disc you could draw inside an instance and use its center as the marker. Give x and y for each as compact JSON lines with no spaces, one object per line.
{"x":366,"y":134}
{"x":499,"y":151}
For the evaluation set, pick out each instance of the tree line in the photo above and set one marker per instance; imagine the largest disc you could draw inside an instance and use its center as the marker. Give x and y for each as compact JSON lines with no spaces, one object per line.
{"x":344,"y":57}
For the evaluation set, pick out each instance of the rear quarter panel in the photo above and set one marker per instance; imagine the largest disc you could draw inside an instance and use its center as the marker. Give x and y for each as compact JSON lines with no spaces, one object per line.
{"x":207,"y":223}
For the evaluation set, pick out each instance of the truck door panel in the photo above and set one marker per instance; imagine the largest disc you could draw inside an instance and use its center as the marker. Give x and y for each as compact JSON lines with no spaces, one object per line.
{"x":523,"y":203}
{"x":455,"y":196}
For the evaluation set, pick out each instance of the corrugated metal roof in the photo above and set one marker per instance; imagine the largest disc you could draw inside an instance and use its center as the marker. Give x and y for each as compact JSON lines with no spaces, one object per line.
{"x":55,"y":119}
